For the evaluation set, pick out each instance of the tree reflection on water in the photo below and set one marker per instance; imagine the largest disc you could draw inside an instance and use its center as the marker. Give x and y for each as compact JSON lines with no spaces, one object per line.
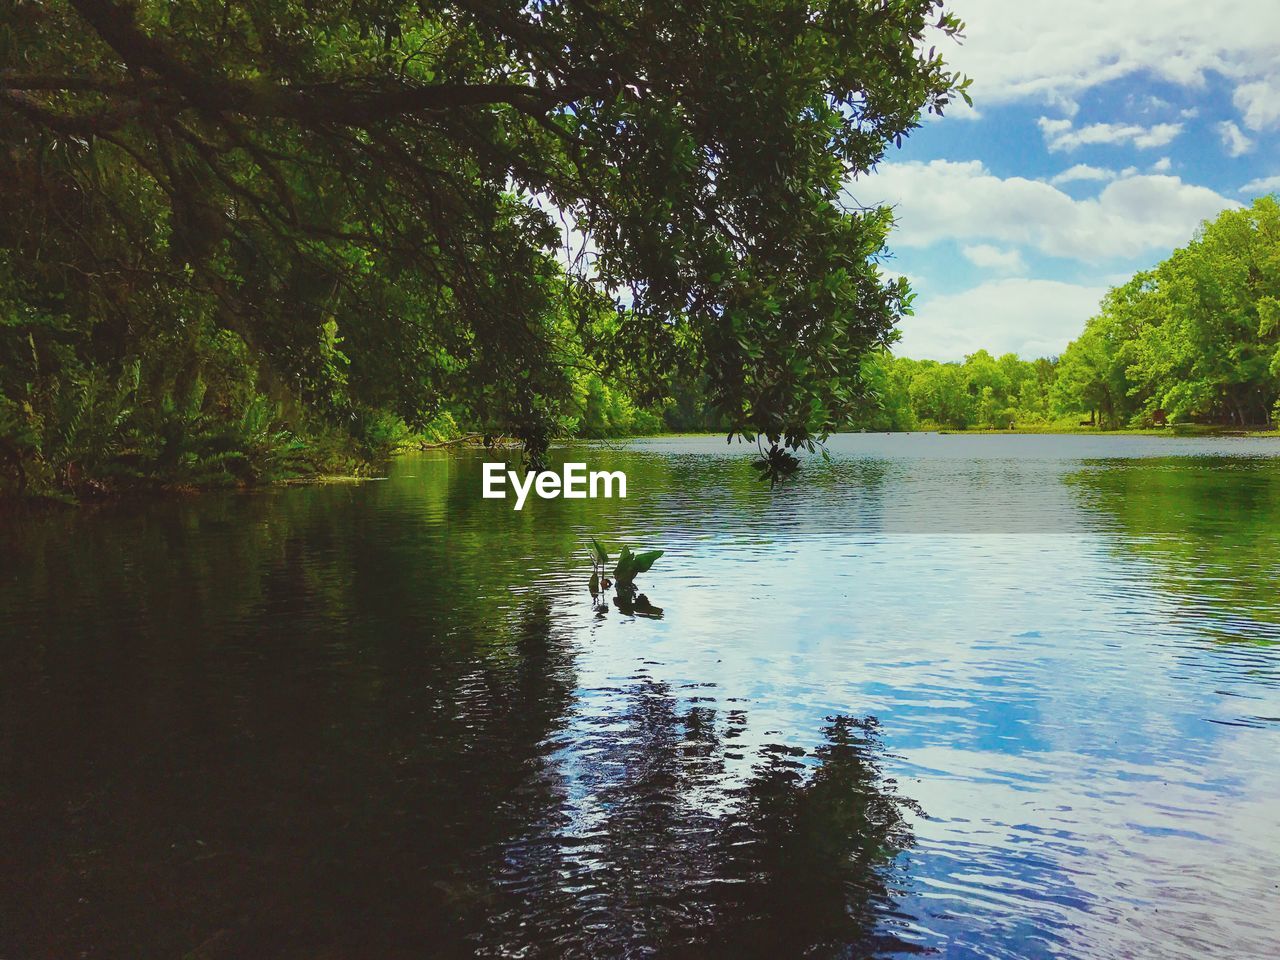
{"x":324,"y":754}
{"x":672,"y":855}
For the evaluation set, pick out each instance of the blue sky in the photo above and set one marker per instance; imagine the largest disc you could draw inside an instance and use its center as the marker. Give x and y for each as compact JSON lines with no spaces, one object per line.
{"x":1103,"y":132}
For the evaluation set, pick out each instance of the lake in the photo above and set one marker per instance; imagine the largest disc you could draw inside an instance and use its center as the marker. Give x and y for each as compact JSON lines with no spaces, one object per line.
{"x":974,"y":696}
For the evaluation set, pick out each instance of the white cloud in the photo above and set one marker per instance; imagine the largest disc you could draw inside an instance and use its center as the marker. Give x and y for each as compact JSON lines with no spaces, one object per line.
{"x":1063,"y":135}
{"x":1032,"y":318}
{"x":1082,"y":171}
{"x":1259,"y":103}
{"x":1053,"y":128}
{"x":1163,"y":165}
{"x":1262,"y":185}
{"x":1133,"y":216}
{"x":1068,"y":105}
{"x":1015,"y":49}
{"x":994,"y":258}
{"x":1233,"y":139}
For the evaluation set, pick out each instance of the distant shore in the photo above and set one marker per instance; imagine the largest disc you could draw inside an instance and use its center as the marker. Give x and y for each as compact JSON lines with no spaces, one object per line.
{"x":1041,"y":429}
{"x":1177,"y":430}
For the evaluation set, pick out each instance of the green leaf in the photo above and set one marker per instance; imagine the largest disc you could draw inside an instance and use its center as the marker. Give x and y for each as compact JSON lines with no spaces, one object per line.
{"x":601,"y":554}
{"x":643,"y":561}
{"x":625,"y":571}
{"x":630,"y":564}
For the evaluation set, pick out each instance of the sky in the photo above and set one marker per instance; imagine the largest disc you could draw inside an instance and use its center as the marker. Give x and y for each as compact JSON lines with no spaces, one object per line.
{"x":1103,"y":132}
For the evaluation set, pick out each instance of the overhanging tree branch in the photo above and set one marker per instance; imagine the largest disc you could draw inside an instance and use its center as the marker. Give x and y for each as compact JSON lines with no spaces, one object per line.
{"x":337,"y":103}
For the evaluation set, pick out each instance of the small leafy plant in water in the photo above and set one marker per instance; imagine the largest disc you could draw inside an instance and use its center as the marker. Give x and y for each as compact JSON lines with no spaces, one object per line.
{"x":625,"y":570}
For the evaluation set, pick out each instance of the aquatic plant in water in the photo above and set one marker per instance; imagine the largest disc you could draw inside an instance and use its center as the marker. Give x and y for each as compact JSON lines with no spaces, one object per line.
{"x":625,"y":570}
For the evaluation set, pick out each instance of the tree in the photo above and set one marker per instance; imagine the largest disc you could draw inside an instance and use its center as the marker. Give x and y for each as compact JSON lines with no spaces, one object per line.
{"x":1091,"y":378}
{"x":1196,"y":337}
{"x":940,"y":394}
{"x":388,"y":176}
{"x":1212,"y":355}
{"x":988,"y":383}
{"x":888,"y":385}
{"x":1035,"y":395}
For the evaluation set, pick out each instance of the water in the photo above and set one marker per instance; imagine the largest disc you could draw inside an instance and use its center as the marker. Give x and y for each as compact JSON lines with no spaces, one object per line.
{"x":969,"y":696}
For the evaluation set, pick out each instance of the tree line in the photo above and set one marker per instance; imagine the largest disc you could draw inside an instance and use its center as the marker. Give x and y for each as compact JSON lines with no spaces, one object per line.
{"x":1195,"y":339}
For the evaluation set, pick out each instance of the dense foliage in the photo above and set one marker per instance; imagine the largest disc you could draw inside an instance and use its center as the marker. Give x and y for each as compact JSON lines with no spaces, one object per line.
{"x":983,"y":391}
{"x":229,"y":224}
{"x":1195,"y":339}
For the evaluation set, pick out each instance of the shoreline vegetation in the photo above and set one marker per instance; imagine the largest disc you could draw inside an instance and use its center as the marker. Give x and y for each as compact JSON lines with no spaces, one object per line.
{"x":42,"y":501}
{"x":238,"y":248}
{"x":982,"y":395}
{"x":373,"y":472}
{"x":341,"y":239}
{"x":1174,"y":430}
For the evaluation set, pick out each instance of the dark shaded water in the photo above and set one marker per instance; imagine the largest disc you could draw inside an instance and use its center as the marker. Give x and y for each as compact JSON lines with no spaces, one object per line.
{"x":976,"y":696}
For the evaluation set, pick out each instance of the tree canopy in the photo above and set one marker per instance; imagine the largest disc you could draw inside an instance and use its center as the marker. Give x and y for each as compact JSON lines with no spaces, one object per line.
{"x":367,"y":204}
{"x":1197,"y":337}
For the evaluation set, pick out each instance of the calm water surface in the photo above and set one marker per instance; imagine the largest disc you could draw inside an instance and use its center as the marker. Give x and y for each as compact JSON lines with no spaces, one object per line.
{"x":961,"y":696}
